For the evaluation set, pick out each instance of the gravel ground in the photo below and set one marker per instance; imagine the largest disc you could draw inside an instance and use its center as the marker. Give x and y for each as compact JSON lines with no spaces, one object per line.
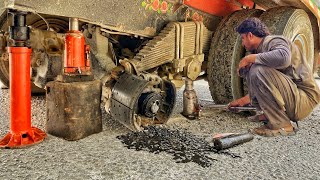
{"x":103,"y":156}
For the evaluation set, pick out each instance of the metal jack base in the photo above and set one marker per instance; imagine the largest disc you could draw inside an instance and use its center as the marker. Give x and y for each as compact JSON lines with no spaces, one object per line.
{"x":23,"y":139}
{"x":191,"y":107}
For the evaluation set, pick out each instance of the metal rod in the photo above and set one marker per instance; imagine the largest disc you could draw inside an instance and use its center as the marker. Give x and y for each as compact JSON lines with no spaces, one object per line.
{"x":73,"y":24}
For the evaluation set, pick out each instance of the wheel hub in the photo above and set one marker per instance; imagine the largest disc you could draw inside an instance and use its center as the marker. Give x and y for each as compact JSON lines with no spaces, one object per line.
{"x":150,"y":104}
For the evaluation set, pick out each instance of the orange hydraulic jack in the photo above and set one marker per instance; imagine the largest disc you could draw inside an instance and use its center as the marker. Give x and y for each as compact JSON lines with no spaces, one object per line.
{"x":77,"y":61}
{"x":21,"y":133}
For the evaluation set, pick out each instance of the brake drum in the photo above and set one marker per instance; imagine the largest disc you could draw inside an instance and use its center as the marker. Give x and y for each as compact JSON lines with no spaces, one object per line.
{"x":134,"y":106}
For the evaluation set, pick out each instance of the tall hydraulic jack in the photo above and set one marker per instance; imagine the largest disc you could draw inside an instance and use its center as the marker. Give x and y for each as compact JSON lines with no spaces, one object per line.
{"x":21,"y":133}
{"x":73,"y":100}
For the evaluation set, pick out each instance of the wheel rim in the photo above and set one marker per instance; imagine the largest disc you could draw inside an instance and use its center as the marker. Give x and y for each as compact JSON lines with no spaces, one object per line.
{"x":301,"y":41}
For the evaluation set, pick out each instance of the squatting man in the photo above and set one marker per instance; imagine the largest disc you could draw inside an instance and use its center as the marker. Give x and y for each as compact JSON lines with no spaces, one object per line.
{"x":280,"y":81}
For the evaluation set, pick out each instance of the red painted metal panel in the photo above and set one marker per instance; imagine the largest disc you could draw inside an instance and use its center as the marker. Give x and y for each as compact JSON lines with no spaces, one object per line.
{"x":218,"y":7}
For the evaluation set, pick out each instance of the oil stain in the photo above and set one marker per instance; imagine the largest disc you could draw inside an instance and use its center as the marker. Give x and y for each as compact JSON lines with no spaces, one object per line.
{"x":184,"y":146}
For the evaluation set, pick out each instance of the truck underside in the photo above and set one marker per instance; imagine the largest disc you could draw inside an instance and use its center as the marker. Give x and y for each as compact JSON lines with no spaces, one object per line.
{"x":142,"y":51}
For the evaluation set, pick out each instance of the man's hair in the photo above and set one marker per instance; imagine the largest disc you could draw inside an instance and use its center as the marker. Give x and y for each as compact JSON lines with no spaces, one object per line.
{"x":253,"y":25}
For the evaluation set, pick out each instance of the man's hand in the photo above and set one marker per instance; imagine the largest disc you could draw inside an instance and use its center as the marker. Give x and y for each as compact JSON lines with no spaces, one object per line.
{"x":240,"y":102}
{"x":246,"y":62}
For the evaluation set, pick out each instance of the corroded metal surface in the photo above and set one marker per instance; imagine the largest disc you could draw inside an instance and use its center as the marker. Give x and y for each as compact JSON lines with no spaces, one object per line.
{"x":47,"y":56}
{"x":159,"y":50}
{"x":73,"y":109}
{"x":191,"y":107}
{"x":135,"y":105}
{"x":124,"y":101}
{"x":177,"y":41}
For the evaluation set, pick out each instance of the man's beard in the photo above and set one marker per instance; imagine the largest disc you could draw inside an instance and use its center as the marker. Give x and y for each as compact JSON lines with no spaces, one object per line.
{"x":252,"y":50}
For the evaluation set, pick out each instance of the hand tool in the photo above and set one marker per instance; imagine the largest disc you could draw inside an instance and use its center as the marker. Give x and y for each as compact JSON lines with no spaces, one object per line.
{"x":234,"y":109}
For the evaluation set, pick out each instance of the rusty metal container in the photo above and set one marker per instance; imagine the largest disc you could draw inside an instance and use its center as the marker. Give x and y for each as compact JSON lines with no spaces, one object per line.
{"x":73,"y":109}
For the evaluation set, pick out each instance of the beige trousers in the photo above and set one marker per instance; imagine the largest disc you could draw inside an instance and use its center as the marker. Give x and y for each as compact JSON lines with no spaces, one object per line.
{"x":277,"y":96}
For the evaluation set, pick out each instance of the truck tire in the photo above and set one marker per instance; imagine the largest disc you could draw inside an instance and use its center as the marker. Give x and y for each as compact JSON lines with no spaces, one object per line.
{"x":225,"y":53}
{"x":296,"y":26}
{"x":316,"y":31}
{"x":57,"y":24}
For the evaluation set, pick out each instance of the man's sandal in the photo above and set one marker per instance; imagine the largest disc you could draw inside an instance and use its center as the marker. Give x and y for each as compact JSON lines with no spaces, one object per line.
{"x":265,"y":131}
{"x":258,"y":118}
